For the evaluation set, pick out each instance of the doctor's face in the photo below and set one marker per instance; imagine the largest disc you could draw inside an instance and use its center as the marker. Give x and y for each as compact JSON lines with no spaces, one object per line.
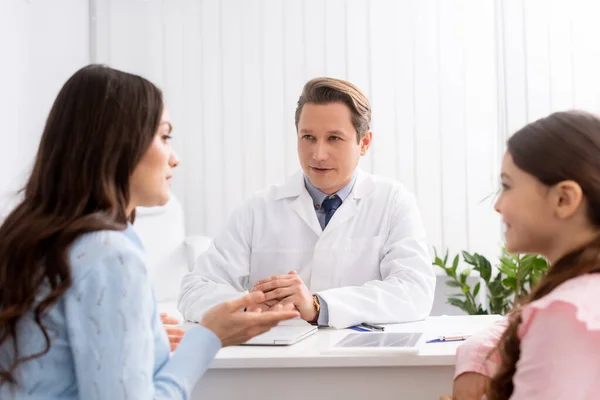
{"x":327,"y":146}
{"x":150,"y":182}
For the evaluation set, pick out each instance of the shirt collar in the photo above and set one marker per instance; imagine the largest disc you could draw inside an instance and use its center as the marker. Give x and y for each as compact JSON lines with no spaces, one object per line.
{"x":318,"y":196}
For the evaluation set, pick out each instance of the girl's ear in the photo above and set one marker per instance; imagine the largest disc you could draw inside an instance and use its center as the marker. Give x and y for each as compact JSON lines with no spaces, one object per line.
{"x":567,"y":197}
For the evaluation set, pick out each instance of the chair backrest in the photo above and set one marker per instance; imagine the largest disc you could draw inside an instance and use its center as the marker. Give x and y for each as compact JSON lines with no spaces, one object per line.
{"x":162,"y":231}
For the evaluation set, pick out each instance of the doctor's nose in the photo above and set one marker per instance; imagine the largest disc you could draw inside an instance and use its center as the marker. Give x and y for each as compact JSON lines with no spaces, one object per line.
{"x":320,"y":152}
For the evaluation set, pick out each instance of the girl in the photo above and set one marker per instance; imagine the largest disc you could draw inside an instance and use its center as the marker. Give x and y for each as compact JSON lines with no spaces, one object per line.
{"x":550,"y":205}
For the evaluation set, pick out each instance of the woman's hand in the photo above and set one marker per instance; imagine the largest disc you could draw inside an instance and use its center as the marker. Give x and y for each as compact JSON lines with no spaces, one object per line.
{"x":175,"y":334}
{"x":235,"y":327}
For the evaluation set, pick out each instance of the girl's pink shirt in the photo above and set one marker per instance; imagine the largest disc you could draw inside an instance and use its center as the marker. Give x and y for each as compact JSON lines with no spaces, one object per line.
{"x":560,"y":345}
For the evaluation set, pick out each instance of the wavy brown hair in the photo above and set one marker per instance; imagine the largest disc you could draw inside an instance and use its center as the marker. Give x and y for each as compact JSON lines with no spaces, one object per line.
{"x":562,"y":146}
{"x":99,"y":127}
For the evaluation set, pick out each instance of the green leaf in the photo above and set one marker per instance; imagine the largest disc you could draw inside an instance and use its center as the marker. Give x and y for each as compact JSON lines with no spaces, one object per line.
{"x":466,"y":289}
{"x":485,"y":268}
{"x":453,"y":284}
{"x":469,"y":259}
{"x":481,"y":311}
{"x":476,"y":290}
{"x":540,"y":264}
{"x":508,"y":269}
{"x":535,"y":279}
{"x":525,"y":271}
{"x":455,"y":263}
{"x":498,"y":306}
{"x":458,"y":303}
{"x":510,"y":283}
{"x":509,"y":261}
{"x":495,"y":287}
{"x":528,"y":258}
{"x":464,"y":275}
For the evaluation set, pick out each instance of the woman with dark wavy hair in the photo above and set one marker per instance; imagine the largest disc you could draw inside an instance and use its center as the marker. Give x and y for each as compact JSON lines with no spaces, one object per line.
{"x":78,"y":318}
{"x":548,"y":348}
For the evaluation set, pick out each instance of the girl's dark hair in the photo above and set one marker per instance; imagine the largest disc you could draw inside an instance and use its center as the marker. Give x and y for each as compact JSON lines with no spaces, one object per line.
{"x":99,"y":127}
{"x":562,"y":146}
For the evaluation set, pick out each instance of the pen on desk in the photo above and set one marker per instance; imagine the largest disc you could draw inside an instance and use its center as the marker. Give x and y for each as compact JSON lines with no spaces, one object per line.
{"x":442,"y":339}
{"x":449,"y":338}
{"x":373,"y":327}
{"x":359,"y":329}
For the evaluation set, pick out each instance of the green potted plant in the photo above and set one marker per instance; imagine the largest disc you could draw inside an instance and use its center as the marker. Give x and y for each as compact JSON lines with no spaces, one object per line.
{"x":512,"y":279}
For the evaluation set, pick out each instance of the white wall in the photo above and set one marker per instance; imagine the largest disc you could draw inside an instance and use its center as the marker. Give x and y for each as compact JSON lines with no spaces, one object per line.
{"x":232,"y":71}
{"x":41,"y":44}
{"x":551,"y":56}
{"x":448,"y":81}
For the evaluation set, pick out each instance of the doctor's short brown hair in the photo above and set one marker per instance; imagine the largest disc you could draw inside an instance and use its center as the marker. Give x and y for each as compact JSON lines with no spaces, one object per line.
{"x":323,"y":91}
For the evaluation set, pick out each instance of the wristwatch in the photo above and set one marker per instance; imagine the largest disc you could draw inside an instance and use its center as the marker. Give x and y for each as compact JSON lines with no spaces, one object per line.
{"x":318,"y":307}
{"x":316,"y":303}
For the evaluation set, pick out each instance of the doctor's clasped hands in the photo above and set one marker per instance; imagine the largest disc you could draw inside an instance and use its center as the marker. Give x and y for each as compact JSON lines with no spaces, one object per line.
{"x":289,"y":290}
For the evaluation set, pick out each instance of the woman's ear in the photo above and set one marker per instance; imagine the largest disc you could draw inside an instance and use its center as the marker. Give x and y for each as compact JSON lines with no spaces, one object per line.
{"x":567,"y":198}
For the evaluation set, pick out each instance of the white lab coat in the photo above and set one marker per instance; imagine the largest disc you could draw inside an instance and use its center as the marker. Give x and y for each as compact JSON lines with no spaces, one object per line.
{"x":370,"y":264}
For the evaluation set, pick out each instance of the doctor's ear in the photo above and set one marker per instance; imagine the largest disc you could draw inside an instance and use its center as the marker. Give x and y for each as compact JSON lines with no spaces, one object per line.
{"x":365,"y":142}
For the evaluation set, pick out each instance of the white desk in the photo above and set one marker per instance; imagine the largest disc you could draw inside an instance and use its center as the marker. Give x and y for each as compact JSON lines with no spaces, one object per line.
{"x":300,"y":371}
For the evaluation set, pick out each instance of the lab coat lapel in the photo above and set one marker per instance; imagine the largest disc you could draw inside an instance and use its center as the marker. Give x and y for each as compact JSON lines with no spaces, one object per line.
{"x":295,"y":192}
{"x":346,"y":211}
{"x":363,"y":187}
{"x":303,"y":206}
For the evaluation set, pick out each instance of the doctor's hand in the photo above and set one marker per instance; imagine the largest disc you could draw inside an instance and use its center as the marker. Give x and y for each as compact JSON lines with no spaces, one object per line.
{"x":289,"y":289}
{"x":234,"y":327}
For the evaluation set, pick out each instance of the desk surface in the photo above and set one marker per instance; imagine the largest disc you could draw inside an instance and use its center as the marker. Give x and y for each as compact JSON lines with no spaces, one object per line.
{"x":308,"y":352}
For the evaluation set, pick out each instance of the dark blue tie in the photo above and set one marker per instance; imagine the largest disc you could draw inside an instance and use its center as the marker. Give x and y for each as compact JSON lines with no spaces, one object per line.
{"x":330,"y":205}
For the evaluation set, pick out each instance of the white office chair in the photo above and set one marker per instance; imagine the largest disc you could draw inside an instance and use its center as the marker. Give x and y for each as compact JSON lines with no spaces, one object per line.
{"x":169,"y":254}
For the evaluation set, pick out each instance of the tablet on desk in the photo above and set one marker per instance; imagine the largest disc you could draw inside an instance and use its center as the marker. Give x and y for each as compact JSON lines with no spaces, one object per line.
{"x":377,"y":343}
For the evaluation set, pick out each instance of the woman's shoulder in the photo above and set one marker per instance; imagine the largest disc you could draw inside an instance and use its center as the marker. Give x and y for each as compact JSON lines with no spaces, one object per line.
{"x":578,"y":295}
{"x":101,"y":247}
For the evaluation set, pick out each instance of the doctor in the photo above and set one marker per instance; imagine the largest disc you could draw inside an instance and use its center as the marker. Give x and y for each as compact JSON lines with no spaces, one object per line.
{"x":342,"y":246}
